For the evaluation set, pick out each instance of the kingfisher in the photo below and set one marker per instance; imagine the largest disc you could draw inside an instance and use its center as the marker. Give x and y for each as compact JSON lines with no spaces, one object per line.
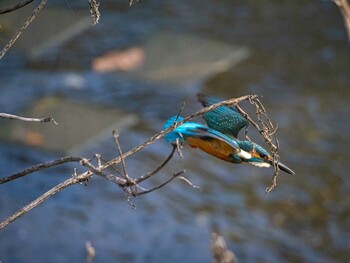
{"x":219,"y":137}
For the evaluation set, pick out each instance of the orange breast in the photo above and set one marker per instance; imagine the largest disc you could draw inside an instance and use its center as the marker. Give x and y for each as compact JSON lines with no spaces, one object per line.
{"x":214,"y":147}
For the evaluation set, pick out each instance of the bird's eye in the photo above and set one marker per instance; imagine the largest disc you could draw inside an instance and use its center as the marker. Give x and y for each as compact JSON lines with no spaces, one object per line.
{"x":262,"y":155}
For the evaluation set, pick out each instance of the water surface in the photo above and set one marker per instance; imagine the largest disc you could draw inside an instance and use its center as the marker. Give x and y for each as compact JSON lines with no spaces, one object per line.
{"x":299,"y":63}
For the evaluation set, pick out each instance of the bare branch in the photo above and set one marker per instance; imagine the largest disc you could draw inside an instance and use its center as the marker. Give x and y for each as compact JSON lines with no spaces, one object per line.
{"x":273,"y":181}
{"x":159,"y":186}
{"x":15,"y":7}
{"x":94,"y":12}
{"x":25,"y":25}
{"x":268,"y":131}
{"x":150,"y":174}
{"x":125,"y":183}
{"x":38,"y":167}
{"x":221,"y":254}
{"x":345,"y":10}
{"x":90,"y":252}
{"x":71,"y":181}
{"x":116,"y":135}
{"x":132,"y":1}
{"x":189,"y":182}
{"x":15,"y":117}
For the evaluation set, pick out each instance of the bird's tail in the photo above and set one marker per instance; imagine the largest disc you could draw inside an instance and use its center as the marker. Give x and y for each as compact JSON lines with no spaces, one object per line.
{"x":171,"y":121}
{"x":173,"y":135}
{"x":186,"y":130}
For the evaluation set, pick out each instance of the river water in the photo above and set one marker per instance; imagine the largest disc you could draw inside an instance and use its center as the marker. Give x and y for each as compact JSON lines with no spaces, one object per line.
{"x":299,"y":63}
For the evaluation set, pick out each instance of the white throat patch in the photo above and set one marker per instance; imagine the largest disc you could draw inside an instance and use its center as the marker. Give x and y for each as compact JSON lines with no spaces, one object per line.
{"x":244,"y":155}
{"x":260,"y":164}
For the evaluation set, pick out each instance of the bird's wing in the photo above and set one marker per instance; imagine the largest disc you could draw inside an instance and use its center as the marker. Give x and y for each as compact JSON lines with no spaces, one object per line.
{"x":203,"y":137}
{"x":227,"y":120}
{"x":194,"y":129}
{"x":206,"y":133}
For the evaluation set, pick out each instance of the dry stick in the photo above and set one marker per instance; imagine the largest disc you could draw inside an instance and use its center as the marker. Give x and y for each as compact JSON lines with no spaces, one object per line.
{"x":86,"y":175}
{"x":119,"y":181}
{"x":231,"y":102}
{"x":90,"y":252}
{"x":261,"y":113}
{"x":189,"y":182}
{"x":256,"y":126}
{"x":94,"y":12}
{"x":127,"y":189}
{"x":136,"y":149}
{"x":150,"y":174}
{"x":345,"y":10}
{"x":155,"y":171}
{"x":20,"y":31}
{"x":83,"y":177}
{"x":132,"y":1}
{"x":264,"y":131}
{"x":145,"y":177}
{"x":71,"y":181}
{"x":15,"y":7}
{"x":159,"y":186}
{"x":115,"y":136}
{"x":38,"y":167}
{"x":15,"y":117}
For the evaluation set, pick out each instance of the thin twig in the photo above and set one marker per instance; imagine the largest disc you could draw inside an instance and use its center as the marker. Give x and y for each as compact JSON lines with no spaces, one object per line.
{"x":97,"y":170}
{"x":159,"y":186}
{"x":273,"y":183}
{"x":155,"y":171}
{"x":345,"y":10}
{"x":38,"y":167}
{"x":268,"y":132}
{"x":220,"y":252}
{"x":123,"y":183}
{"x":189,"y":182}
{"x":179,"y":146}
{"x":90,"y":252}
{"x":270,"y":136}
{"x":94,"y":12}
{"x":115,"y":136}
{"x":132,"y":1}
{"x":15,"y":7}
{"x":15,"y":117}
{"x":25,"y":25}
{"x":71,"y":181}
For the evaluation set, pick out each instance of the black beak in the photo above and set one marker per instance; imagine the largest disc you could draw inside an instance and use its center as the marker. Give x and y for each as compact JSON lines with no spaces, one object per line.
{"x":284,"y":168}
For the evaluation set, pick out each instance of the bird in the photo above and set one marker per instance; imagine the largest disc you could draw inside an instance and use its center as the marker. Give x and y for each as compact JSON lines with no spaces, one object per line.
{"x":229,"y":121}
{"x":208,"y":140}
{"x":219,"y":137}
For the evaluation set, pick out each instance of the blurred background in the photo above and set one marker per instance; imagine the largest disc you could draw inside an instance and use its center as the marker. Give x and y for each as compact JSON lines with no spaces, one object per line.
{"x":133,"y":71}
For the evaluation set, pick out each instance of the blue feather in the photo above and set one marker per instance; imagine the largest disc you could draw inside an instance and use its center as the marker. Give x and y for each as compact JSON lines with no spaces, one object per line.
{"x":194,"y":129}
{"x":227,"y":120}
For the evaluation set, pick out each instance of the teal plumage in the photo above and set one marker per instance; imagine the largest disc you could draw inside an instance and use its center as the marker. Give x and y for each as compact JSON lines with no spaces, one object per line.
{"x":194,"y":129}
{"x":227,"y":120}
{"x":219,"y":138}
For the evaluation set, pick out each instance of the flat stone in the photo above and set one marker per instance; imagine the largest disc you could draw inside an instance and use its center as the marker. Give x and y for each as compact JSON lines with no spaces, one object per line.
{"x":51,"y":28}
{"x":80,"y":125}
{"x":180,"y":59}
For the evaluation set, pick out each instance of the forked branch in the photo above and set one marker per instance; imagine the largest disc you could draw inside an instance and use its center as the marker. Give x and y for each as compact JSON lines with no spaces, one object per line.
{"x":130,"y":185}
